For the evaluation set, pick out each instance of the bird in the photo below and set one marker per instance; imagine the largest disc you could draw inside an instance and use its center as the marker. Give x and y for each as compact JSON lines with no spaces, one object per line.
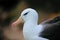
{"x":31,"y":29}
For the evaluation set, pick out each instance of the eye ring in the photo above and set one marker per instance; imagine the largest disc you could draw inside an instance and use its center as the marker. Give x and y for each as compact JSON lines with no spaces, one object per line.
{"x":26,"y":13}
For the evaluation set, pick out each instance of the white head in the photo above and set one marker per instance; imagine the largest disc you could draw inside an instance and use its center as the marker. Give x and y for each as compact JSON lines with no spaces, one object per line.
{"x":29,"y":14}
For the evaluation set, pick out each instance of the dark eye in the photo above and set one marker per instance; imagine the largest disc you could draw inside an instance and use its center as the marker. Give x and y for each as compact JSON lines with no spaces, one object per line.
{"x":26,"y":13}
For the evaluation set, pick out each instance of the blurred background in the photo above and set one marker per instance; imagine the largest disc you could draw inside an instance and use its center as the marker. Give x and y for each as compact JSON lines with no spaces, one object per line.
{"x":10,"y":11}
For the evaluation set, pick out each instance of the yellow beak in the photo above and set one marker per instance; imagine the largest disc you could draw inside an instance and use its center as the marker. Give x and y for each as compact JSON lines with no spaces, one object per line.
{"x":17,"y":22}
{"x":20,"y":20}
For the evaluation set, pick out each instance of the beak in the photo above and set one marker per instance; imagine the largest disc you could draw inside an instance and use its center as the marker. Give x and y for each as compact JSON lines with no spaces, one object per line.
{"x":20,"y":20}
{"x":17,"y":22}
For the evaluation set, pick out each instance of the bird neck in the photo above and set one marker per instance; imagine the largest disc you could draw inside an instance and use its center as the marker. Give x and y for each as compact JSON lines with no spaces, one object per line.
{"x":31,"y":23}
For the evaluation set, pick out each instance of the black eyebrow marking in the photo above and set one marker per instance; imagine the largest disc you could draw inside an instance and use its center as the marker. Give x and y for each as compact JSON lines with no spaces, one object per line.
{"x":26,"y":13}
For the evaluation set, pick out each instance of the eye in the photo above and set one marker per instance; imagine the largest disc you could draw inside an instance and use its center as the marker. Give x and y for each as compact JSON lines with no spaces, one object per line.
{"x":26,"y":13}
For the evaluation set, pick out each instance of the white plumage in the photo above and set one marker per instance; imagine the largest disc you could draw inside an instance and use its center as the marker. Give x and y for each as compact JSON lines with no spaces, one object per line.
{"x":31,"y":29}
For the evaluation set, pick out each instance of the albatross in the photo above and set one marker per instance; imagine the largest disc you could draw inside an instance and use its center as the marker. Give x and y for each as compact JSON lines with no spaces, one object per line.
{"x":31,"y":29}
